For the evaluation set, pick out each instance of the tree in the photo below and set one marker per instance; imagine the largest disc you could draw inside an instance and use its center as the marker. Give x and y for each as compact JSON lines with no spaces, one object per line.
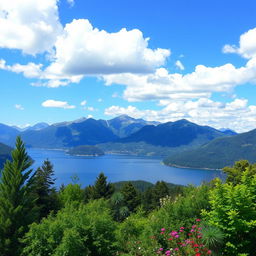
{"x":45,"y":192}
{"x":131,"y":196}
{"x":17,"y":203}
{"x":234,"y":174}
{"x":160,"y":190}
{"x":101,"y":188}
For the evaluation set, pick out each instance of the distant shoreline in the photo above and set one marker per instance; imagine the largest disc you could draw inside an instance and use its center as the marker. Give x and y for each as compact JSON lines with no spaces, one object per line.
{"x":192,"y":168}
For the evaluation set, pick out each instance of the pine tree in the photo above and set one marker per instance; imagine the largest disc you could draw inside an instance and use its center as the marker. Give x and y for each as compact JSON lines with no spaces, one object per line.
{"x":17,"y":204}
{"x":160,"y":190}
{"x":101,"y":188}
{"x":45,"y":192}
{"x":131,"y":196}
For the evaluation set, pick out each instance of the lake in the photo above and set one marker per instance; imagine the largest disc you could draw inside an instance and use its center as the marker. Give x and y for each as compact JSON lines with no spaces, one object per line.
{"x":117,"y":168}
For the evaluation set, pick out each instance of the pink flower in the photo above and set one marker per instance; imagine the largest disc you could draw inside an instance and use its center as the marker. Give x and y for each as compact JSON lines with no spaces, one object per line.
{"x":162,"y":229}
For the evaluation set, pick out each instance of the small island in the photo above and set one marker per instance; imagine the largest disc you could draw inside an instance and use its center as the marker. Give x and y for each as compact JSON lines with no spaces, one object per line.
{"x":86,"y":150}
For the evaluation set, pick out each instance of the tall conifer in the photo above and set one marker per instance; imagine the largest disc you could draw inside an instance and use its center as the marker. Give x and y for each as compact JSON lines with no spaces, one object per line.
{"x":17,"y":209}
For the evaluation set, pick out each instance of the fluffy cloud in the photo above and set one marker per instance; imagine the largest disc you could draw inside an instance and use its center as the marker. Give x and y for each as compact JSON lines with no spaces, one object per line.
{"x":247,"y":45}
{"x":19,"y":107}
{"x":31,"y":26}
{"x":82,"y":49}
{"x":200,"y":83}
{"x":32,"y":70}
{"x":57,"y":104}
{"x":236,"y":114}
{"x":179,"y":65}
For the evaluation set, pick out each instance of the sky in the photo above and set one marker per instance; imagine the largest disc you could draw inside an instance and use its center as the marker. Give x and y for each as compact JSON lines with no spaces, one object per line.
{"x":159,"y":60}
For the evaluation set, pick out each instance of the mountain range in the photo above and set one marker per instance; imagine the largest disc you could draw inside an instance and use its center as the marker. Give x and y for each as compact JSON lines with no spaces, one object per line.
{"x":185,"y":143}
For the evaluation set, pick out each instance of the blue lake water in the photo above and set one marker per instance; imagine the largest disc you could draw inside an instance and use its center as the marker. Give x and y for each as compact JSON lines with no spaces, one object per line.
{"x":117,"y":168}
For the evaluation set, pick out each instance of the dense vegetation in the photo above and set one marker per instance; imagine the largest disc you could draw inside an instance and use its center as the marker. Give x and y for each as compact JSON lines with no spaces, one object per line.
{"x":218,"y":153}
{"x":86,"y":150}
{"x":218,"y":218}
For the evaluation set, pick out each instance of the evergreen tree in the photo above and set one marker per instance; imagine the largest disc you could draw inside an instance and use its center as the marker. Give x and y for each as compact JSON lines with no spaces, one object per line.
{"x":160,"y":190}
{"x":17,"y":204}
{"x":101,"y":188}
{"x":45,"y":192}
{"x":131,"y":196}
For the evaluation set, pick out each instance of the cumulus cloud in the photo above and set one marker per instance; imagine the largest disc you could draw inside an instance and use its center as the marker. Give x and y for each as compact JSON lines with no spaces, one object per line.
{"x":35,"y":71}
{"x":57,"y":104}
{"x":247,"y":45}
{"x":179,"y":65}
{"x":200,"y":83}
{"x":82,"y":49}
{"x":19,"y":107}
{"x":236,"y":114}
{"x":31,"y":26}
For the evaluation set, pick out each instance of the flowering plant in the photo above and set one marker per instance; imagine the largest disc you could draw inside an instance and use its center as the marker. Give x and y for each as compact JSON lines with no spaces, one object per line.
{"x":183,"y":242}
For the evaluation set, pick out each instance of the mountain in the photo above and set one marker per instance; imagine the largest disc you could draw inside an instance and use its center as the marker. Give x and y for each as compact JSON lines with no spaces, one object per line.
{"x":227,"y":131}
{"x":124,"y":125}
{"x":5,"y":153}
{"x":174,"y":134}
{"x":218,"y":153}
{"x":37,"y":127}
{"x":8,"y":134}
{"x":69,"y":134}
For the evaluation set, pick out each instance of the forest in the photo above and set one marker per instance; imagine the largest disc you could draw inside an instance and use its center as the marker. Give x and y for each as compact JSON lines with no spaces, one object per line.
{"x":38,"y":219}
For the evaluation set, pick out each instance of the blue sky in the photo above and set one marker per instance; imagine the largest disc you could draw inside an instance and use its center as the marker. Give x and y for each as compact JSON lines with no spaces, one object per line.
{"x":160,"y":60}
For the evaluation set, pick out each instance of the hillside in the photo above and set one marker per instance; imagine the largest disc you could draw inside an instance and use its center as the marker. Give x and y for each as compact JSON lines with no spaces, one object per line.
{"x":8,"y":134}
{"x":174,"y":134}
{"x":5,"y":153}
{"x":218,"y":153}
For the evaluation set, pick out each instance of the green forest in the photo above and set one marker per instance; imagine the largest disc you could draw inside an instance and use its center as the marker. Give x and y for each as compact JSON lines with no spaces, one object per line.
{"x":126,"y":218}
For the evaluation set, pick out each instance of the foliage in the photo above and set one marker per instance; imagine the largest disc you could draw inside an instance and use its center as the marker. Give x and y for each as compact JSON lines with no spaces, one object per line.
{"x":83,"y":230}
{"x":43,"y":188}
{"x":233,"y":211}
{"x":70,"y":194}
{"x":101,"y":188}
{"x":17,"y":205}
{"x":131,"y":196}
{"x":234,"y":174}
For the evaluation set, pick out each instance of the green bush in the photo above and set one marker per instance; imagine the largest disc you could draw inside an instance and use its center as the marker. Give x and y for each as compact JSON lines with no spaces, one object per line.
{"x":83,"y":230}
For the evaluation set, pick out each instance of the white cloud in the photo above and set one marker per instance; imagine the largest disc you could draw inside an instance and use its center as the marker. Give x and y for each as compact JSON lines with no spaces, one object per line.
{"x":19,"y":107}
{"x":179,"y":65}
{"x":200,"y":83}
{"x":57,"y":104}
{"x":236,"y":114}
{"x":82,"y":49}
{"x":91,"y":108}
{"x":247,"y":45}
{"x":32,"y":70}
{"x":31,"y":26}
{"x":83,"y":103}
